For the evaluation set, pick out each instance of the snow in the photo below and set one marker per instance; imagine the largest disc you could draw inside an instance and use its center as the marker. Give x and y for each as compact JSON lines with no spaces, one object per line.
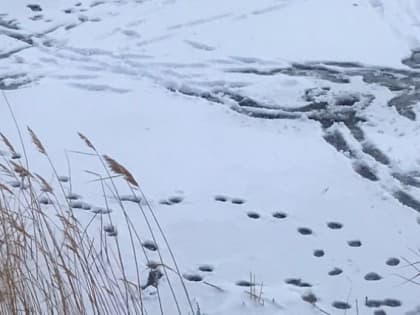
{"x":131,"y":75}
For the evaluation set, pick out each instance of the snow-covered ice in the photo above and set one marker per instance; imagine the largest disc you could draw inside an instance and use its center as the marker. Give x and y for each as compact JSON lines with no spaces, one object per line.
{"x":275,"y":137}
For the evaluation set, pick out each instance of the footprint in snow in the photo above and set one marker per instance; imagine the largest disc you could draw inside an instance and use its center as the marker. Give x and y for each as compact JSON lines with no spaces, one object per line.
{"x":150,"y":245}
{"x":172,"y":200}
{"x":335,"y":272}
{"x":101,"y":211}
{"x":335,"y":225}
{"x":279,"y":215}
{"x":77,"y":204}
{"x":221,"y":198}
{"x":237,"y":201}
{"x":44,"y":200}
{"x":305,"y":231}
{"x":16,"y":156}
{"x":373,"y":303}
{"x":63,"y":179}
{"x":310,"y":298}
{"x":111,"y":230}
{"x":253,"y":215}
{"x":34,"y":7}
{"x":385,"y":302}
{"x":83,"y":18}
{"x":73,"y":196}
{"x":341,"y":305}
{"x":224,"y":198}
{"x":298,"y":283}
{"x":18,"y":184}
{"x":354,"y":243}
{"x":393,"y":261}
{"x":244,"y":283}
{"x":319,"y":253}
{"x":206,"y":268}
{"x":372,"y":276}
{"x":391,"y":303}
{"x":193,"y":277}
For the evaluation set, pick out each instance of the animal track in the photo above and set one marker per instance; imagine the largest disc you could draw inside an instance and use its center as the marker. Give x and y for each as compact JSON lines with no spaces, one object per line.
{"x":113,"y":233}
{"x":305,"y":231}
{"x":34,"y":7}
{"x":391,"y":303}
{"x":237,"y":201}
{"x":310,"y":298}
{"x":150,"y":245}
{"x":253,"y":215}
{"x":63,"y":179}
{"x":279,"y":215}
{"x":335,"y":272}
{"x":298,"y":283}
{"x":111,"y":230}
{"x":221,"y":198}
{"x":153,"y":264}
{"x":372,"y":276}
{"x":172,"y":200}
{"x":319,"y":253}
{"x":15,"y":184}
{"x":175,"y":199}
{"x":373,"y":303}
{"x":73,"y":196}
{"x":244,"y":283}
{"x":393,"y":261}
{"x":98,"y":210}
{"x":77,"y":204}
{"x":206,"y":268}
{"x":45,"y":201}
{"x":18,"y":184}
{"x":385,"y":302}
{"x":193,"y":277}
{"x":16,"y":156}
{"x":341,"y":305}
{"x":335,"y":225}
{"x":354,"y":243}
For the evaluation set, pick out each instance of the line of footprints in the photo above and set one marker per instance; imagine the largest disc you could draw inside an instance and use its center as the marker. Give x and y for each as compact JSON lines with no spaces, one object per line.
{"x":76,"y":203}
{"x":318,"y":253}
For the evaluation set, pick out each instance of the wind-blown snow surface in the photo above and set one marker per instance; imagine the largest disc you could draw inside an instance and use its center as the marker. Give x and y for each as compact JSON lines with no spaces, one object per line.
{"x":286,"y":128}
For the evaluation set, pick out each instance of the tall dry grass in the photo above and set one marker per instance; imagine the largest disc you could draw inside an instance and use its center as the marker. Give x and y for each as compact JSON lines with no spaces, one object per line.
{"x":53,"y":263}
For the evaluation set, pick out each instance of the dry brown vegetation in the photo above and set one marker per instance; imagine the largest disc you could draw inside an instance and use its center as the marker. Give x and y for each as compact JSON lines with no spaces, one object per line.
{"x":51,"y":263}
